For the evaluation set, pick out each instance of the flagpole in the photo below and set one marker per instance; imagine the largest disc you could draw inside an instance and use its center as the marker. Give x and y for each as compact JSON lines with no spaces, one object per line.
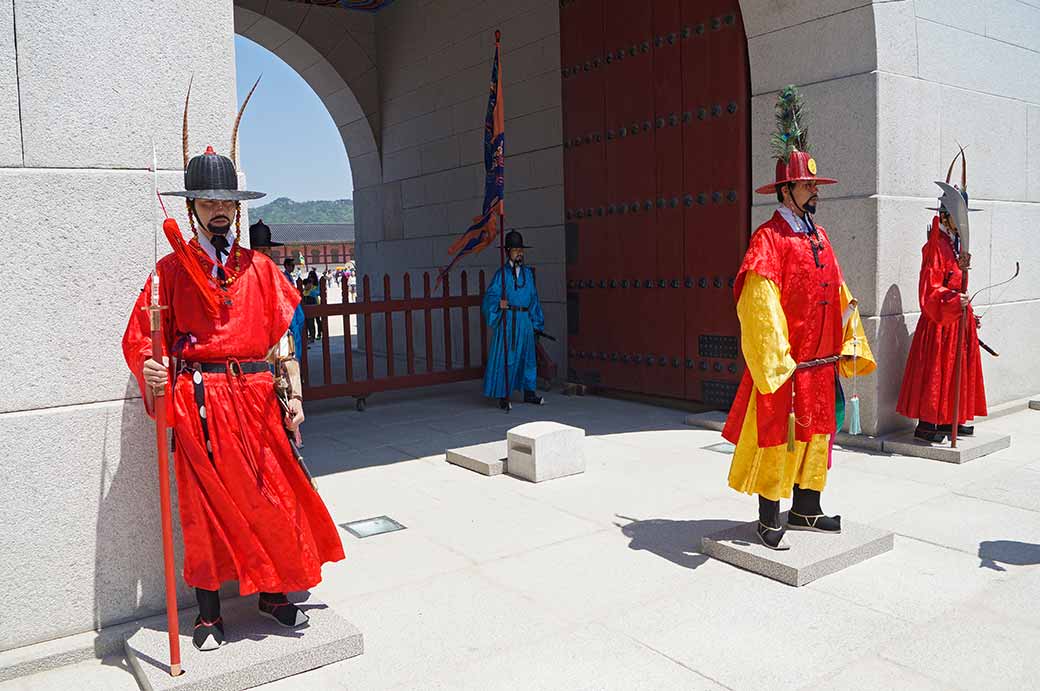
{"x":502,"y":243}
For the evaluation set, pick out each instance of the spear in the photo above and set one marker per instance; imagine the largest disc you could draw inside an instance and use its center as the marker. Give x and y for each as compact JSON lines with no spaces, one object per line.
{"x":159,"y":401}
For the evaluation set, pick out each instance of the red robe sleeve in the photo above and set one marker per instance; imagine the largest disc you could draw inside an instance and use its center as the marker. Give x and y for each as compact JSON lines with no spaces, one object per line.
{"x":137,"y":339}
{"x":939,"y":303}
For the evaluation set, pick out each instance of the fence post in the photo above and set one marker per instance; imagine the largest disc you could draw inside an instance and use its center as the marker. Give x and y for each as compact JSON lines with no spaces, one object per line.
{"x":367,"y":299}
{"x":409,"y":348}
{"x":348,"y":339}
{"x":305,"y":370}
{"x":388,"y":325}
{"x":326,"y":349}
{"x":446,"y":292}
{"x":483,"y":326}
{"x":426,"y":322}
{"x":465,"y":324}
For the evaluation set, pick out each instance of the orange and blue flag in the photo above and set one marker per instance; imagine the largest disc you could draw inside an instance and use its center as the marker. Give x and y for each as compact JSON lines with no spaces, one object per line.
{"x":485,"y":227}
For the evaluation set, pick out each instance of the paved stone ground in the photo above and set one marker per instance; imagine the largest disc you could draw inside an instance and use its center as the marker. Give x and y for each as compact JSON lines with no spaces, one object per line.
{"x":596,"y":582}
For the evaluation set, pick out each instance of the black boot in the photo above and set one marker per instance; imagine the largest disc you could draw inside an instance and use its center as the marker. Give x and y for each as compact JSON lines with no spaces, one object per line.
{"x":504,"y":404}
{"x":208,"y":633}
{"x":962,"y":430}
{"x":806,"y":514}
{"x":276,"y":606}
{"x":770,"y":531}
{"x":930,"y":432}
{"x":533,"y":398}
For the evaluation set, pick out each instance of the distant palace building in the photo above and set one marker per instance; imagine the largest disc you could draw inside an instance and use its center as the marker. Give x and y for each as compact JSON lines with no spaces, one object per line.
{"x":329,"y":244}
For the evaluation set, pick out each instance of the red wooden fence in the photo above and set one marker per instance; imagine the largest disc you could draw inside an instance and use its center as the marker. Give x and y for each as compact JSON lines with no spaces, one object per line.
{"x":368,"y":310}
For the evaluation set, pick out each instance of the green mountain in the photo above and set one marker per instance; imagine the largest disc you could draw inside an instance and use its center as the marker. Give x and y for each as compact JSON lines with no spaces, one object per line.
{"x":285,"y":210}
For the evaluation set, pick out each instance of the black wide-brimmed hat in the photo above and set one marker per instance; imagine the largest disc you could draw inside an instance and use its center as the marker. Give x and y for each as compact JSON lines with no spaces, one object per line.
{"x":515,"y":241}
{"x":210,"y":175}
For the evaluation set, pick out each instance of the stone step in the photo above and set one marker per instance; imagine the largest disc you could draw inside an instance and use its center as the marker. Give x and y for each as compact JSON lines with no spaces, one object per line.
{"x":258,"y":650}
{"x":980,"y":444}
{"x":812,"y":555}
{"x":487,"y":459}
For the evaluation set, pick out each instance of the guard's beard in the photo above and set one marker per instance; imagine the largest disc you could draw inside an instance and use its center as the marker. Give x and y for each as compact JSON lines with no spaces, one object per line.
{"x":219,"y":229}
{"x":810,"y":206}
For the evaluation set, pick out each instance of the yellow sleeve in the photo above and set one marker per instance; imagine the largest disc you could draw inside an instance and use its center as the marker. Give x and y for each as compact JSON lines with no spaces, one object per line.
{"x":763,"y":333}
{"x":854,"y":340}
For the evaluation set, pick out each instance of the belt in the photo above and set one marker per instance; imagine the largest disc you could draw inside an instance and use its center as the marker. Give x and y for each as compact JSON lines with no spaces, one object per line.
{"x":248,"y":367}
{"x":514,"y":308}
{"x":818,"y":362}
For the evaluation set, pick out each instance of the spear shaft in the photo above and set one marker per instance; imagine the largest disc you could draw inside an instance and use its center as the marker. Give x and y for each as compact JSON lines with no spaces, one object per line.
{"x":159,"y":402}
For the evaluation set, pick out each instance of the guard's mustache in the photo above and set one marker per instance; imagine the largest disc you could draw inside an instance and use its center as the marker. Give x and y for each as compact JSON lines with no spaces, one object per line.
{"x":217,"y":218}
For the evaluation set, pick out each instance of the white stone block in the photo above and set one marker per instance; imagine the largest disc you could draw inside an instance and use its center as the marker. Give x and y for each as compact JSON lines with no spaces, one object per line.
{"x":74,"y":320}
{"x":909,"y":153}
{"x":10,"y":119}
{"x":846,"y":153}
{"x":895,"y":27}
{"x":486,"y":459}
{"x":540,"y":451}
{"x":1013,"y":22}
{"x":815,"y":51}
{"x":762,"y":17}
{"x":992,"y":130}
{"x":131,"y":88}
{"x":94,"y":478}
{"x":970,"y":61}
{"x":534,"y":131}
{"x":967,"y":15}
{"x":439,"y":155}
{"x":401,"y":164}
{"x":1033,"y":153}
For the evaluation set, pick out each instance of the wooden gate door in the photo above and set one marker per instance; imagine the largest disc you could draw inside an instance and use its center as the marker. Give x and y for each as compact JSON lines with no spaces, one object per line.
{"x":656,"y":102}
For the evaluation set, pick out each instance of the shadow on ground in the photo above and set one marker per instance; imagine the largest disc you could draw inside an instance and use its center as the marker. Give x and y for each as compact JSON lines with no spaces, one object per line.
{"x":993,"y":553}
{"x":677,"y":541}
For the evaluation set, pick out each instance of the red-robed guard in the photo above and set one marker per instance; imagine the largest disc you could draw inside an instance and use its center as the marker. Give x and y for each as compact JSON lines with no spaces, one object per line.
{"x":247,"y":507}
{"x":799,"y":330}
{"x":948,"y":324}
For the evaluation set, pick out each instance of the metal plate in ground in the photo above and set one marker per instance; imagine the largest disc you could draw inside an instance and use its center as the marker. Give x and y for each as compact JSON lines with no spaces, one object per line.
{"x":721,"y":447}
{"x":372,"y":526}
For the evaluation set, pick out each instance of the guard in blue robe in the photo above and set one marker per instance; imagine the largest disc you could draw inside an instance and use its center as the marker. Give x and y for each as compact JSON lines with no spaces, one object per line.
{"x":523,"y":318}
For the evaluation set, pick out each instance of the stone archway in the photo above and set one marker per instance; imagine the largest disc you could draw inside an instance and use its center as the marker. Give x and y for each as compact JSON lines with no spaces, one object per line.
{"x":334,"y":52}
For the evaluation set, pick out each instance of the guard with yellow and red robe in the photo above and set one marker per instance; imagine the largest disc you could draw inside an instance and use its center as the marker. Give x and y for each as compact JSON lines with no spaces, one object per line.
{"x":248,"y":510}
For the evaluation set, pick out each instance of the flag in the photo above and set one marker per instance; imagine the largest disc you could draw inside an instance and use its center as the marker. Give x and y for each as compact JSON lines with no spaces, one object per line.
{"x":485,"y":226}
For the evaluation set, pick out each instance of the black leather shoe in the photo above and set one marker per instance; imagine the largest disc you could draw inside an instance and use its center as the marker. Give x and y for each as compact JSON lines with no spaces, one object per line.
{"x":533,"y":398}
{"x":962,"y":430}
{"x":207,"y":635}
{"x":771,"y":537}
{"x":504,"y":404}
{"x":930,"y":433}
{"x":817,"y":523}
{"x":282,"y":611}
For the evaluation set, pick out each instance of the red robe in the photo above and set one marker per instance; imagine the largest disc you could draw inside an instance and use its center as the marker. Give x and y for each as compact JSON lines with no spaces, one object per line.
{"x":928,"y":382}
{"x":811,"y":300}
{"x":251,"y":517}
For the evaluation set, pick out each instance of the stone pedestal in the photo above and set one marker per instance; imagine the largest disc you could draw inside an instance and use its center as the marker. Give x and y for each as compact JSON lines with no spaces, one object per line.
{"x":812,"y":555}
{"x":968,"y":448}
{"x":539,"y":451}
{"x":258,"y":650}
{"x":486,"y":459}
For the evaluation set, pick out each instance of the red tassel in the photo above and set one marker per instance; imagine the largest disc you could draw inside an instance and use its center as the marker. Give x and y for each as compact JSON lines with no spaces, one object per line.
{"x":191,"y":265}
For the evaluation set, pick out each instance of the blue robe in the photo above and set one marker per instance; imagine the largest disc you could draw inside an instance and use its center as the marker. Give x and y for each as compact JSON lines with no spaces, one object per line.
{"x":519,"y":327}
{"x":296,"y":325}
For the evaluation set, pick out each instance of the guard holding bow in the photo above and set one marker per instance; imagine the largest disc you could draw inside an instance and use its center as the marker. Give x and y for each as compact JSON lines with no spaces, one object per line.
{"x":944,"y":355}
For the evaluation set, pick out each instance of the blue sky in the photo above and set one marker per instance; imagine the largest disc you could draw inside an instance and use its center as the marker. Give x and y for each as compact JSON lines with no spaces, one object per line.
{"x":288,"y":144}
